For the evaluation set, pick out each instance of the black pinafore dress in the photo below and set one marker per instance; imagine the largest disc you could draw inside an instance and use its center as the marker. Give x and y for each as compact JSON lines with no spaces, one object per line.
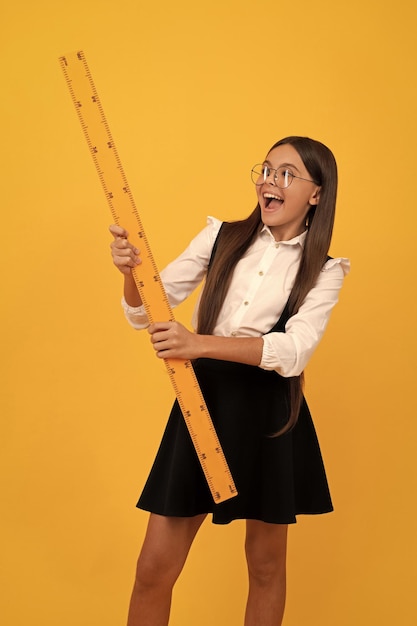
{"x":277,"y":478}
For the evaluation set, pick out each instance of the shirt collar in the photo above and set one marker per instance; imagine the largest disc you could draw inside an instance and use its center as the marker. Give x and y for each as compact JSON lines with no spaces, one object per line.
{"x":299,"y":239}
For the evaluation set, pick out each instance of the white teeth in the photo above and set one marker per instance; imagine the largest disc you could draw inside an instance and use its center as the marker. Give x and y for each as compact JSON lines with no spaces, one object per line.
{"x":270,"y":195}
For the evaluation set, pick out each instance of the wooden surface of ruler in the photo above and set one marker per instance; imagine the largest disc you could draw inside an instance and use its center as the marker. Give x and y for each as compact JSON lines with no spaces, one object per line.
{"x":146,"y":275}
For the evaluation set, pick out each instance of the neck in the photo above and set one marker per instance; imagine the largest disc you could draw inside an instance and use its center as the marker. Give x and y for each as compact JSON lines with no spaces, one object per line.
{"x":286,"y":233}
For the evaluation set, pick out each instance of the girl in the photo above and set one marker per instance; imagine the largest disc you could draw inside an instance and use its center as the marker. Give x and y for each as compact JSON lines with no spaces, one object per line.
{"x":269,"y":290}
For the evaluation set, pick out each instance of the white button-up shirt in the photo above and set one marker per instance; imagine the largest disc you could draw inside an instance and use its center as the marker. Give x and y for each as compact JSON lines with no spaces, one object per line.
{"x":260,"y":287}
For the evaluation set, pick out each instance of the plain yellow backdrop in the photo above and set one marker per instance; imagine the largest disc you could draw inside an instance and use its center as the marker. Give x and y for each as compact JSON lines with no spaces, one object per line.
{"x":195,"y":93}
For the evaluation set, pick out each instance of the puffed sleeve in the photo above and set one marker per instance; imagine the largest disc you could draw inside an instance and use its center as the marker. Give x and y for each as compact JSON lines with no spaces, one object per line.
{"x":288,"y":353}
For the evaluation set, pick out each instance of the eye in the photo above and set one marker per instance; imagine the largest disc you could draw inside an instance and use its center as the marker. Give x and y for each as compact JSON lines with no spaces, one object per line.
{"x":284,"y":176}
{"x":265,"y":171}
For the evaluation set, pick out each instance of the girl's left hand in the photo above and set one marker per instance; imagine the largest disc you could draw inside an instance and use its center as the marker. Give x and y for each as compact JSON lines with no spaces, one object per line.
{"x":171,"y":340}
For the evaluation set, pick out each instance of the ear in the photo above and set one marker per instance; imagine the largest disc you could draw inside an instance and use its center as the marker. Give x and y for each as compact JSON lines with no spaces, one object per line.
{"x":315,"y":196}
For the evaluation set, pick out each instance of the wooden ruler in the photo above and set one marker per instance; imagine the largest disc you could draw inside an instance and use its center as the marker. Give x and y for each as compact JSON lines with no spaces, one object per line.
{"x":146,"y":275}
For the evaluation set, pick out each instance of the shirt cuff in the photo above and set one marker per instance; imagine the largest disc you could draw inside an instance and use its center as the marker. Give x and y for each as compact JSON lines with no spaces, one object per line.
{"x":135,"y":315}
{"x":280,"y":358}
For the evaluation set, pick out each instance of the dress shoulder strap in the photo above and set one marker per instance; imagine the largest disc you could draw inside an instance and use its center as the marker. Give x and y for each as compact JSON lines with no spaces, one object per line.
{"x":216,"y":244}
{"x":279,"y":327}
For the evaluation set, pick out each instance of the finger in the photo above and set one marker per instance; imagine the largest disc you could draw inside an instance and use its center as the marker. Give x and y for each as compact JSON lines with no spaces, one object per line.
{"x":159,"y":338}
{"x":159,"y":326}
{"x":118,"y":231}
{"x":126,"y":260}
{"x":121,"y":247}
{"x":125,"y":264}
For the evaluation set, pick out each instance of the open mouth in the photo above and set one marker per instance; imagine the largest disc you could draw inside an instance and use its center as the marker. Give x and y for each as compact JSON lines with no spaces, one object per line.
{"x":270,"y":197}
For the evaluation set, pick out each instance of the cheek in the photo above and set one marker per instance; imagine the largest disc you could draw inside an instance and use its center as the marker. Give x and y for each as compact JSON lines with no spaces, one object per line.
{"x":302,"y":200}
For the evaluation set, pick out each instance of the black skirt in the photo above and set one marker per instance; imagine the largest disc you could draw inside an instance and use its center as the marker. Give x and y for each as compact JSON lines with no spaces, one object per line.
{"x":276,"y":478}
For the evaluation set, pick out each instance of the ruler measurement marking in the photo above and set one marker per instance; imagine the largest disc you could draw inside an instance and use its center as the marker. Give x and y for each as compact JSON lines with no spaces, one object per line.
{"x":120,"y":200}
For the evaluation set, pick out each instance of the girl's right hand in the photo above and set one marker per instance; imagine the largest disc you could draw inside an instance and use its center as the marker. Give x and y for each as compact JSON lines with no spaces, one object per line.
{"x":125,"y":255}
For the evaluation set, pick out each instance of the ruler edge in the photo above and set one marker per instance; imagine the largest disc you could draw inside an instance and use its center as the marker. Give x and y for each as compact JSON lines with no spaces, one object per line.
{"x":62,"y":60}
{"x":187,"y":363}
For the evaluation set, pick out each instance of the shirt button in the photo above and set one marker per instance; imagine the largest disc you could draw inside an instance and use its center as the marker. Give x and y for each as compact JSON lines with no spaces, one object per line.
{"x":277,"y":244}
{"x":260,"y":273}
{"x":234,"y":333}
{"x":246,"y":303}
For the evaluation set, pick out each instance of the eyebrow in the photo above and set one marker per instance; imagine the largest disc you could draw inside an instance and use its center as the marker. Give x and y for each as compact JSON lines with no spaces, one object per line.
{"x":283,"y":165}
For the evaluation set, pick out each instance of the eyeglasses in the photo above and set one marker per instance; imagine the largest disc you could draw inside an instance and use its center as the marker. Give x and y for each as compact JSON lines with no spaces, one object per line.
{"x":282,"y":175}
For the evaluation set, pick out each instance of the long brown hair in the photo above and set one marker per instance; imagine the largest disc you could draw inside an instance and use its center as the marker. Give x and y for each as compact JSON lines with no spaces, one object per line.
{"x":236,"y":238}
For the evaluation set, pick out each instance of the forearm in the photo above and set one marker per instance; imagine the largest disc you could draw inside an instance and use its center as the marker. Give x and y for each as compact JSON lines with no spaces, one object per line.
{"x":246,"y":350}
{"x":173,"y":340}
{"x":130,"y":291}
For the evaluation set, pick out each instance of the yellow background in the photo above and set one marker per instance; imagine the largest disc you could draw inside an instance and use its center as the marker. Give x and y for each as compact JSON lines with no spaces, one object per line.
{"x":195,"y":93}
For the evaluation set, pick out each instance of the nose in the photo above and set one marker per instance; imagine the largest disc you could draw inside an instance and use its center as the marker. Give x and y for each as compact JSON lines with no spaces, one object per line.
{"x":272,"y":176}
